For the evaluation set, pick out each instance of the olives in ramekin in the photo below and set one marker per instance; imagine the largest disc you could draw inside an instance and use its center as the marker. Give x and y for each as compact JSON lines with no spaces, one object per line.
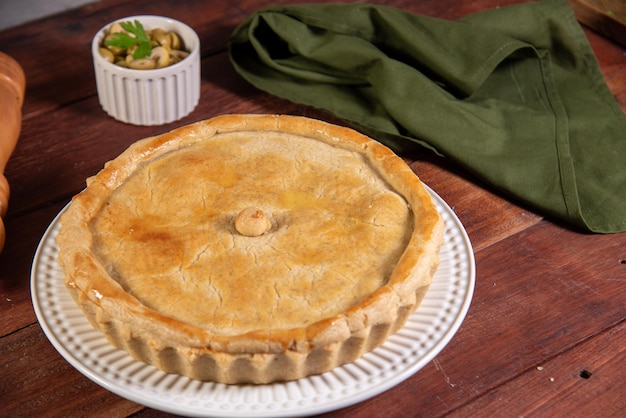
{"x":129,"y":45}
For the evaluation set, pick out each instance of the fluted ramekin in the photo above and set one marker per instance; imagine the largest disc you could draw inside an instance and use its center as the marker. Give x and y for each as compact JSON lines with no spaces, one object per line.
{"x":149,"y":97}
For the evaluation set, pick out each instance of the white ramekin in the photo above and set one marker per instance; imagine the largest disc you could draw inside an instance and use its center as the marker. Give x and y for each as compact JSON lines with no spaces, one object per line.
{"x":150,"y":97}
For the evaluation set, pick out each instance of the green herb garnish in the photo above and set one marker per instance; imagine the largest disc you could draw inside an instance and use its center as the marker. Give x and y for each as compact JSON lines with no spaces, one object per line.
{"x":124,"y":40}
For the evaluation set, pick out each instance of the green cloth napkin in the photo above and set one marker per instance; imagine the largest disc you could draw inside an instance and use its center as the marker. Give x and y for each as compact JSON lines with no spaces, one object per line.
{"x":513,"y":94}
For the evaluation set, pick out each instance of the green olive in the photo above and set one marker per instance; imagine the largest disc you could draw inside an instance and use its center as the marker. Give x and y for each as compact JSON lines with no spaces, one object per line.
{"x":142,"y":64}
{"x":175,"y":43}
{"x":162,"y":37}
{"x":131,"y":50}
{"x":106,"y":54}
{"x":176,"y":55}
{"x":161,"y":56}
{"x":167,"y":49}
{"x":116,"y":27}
{"x":116,"y":50}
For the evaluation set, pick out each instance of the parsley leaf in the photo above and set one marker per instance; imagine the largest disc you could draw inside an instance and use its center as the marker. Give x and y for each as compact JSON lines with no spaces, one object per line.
{"x":124,"y":40}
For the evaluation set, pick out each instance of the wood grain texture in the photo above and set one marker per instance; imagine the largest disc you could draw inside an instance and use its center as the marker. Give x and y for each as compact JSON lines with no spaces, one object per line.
{"x":549,"y":302}
{"x":38,"y":382}
{"x":16,"y":308}
{"x":605,"y":16}
{"x":580,"y":382}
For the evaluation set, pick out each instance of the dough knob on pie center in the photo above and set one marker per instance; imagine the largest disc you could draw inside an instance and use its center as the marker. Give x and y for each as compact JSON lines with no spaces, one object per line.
{"x":252,"y":222}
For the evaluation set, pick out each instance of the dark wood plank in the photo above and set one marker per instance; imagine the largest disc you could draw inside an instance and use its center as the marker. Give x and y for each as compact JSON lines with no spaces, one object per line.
{"x":37,"y":381}
{"x":605,"y":16}
{"x":609,"y":55}
{"x":583,"y":382}
{"x":23,"y":235}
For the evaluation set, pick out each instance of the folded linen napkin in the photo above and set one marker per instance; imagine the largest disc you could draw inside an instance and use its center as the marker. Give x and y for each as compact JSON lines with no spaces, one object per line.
{"x":513,"y":94}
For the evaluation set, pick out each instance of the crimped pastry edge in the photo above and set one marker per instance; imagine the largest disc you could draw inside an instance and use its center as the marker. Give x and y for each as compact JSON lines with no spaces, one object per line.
{"x":250,"y":359}
{"x":204,"y":364}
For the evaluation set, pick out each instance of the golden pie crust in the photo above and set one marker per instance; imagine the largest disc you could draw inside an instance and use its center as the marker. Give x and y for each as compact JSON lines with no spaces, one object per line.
{"x":251,"y":248}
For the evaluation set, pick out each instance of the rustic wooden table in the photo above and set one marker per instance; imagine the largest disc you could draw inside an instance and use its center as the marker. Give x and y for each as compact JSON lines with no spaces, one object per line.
{"x":546,"y":331}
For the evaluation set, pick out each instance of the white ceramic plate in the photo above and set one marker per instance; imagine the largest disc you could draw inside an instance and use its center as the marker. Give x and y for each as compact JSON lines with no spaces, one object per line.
{"x":425,"y":334}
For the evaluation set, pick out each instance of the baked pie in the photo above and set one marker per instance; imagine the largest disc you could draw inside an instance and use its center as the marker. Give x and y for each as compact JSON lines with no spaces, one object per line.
{"x":251,"y":248}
